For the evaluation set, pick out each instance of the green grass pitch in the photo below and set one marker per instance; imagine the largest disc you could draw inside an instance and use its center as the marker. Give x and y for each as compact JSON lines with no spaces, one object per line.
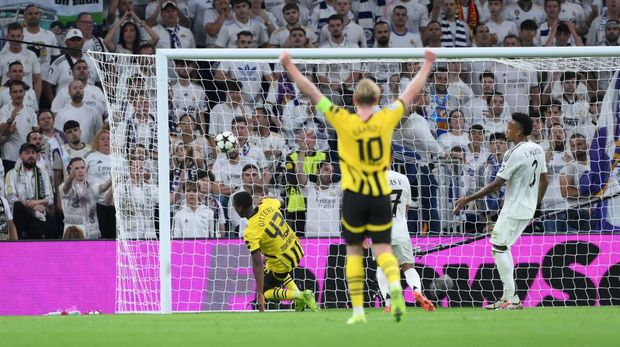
{"x":587,"y":326}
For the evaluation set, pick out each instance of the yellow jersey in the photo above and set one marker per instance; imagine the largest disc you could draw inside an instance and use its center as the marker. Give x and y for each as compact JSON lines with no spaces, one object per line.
{"x":268,"y":232}
{"x":364,"y":147}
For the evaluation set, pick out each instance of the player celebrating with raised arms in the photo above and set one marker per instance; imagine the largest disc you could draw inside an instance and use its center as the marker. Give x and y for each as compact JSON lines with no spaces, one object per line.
{"x":268,"y":234}
{"x":524,"y":171}
{"x":364,"y":142}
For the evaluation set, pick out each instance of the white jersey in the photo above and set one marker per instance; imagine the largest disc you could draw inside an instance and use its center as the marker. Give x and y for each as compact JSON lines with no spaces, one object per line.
{"x":90,"y":119}
{"x":98,"y":169}
{"x":521,"y":169}
{"x":323,"y":210}
{"x":93,"y":97}
{"x":43,"y":53}
{"x":191,"y":224}
{"x":401,"y":200}
{"x":29,"y":60}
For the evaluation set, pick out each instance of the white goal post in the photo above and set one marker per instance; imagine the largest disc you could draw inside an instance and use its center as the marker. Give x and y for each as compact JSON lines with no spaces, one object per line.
{"x":160,"y":291}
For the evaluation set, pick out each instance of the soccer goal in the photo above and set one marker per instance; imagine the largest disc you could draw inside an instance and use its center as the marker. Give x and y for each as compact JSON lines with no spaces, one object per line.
{"x":180,"y":244}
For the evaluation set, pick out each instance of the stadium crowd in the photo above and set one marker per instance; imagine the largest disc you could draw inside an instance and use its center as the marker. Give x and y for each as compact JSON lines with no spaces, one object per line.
{"x":56,"y":144}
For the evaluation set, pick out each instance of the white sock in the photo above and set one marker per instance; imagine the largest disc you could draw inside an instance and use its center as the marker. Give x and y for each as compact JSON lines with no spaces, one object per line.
{"x":358,"y":310}
{"x":383,"y":286}
{"x":505,"y":267}
{"x":413,"y":280}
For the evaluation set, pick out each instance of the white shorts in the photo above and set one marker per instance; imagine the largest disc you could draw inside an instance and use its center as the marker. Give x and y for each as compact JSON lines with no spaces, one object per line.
{"x":403,"y":251}
{"x":507,"y":230}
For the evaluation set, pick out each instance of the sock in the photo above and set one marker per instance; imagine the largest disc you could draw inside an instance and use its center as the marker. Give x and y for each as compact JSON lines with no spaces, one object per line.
{"x":389,"y":265}
{"x":413,"y":280}
{"x":383,"y":286}
{"x":355,"y":280}
{"x":290,"y":284}
{"x":505,"y":267}
{"x":278,"y":294}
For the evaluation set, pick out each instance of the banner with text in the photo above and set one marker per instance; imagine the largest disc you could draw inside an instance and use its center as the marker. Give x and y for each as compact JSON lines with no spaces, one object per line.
{"x":64,"y":11}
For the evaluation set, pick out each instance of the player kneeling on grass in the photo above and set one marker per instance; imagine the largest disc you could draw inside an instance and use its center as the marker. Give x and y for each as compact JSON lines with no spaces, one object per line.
{"x":268,"y":234}
{"x":524,"y":171}
{"x":401,"y":243}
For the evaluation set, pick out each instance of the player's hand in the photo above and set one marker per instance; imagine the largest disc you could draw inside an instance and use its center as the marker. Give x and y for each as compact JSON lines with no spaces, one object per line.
{"x":366,"y":244}
{"x":460,"y":204}
{"x":260,"y":302}
{"x":430,"y":56}
{"x":285,"y":58}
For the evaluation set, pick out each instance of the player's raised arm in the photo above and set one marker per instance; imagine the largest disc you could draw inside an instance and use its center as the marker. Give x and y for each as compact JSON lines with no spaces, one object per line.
{"x":417,"y":84}
{"x":304,"y":84}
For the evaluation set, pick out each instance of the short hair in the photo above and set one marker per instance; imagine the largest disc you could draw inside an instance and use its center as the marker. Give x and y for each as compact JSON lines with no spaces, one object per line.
{"x":190,"y":187}
{"x":27,"y":147}
{"x":239,"y":119}
{"x":290,"y":6}
{"x":367,"y":92}
{"x":490,"y":98}
{"x":30,"y":5}
{"x":577,"y":136}
{"x":242,"y":200}
{"x":512,"y":36}
{"x":44,"y":110}
{"x":497,"y":136}
{"x":453,"y":112}
{"x":433,"y":22}
{"x":381,"y":22}
{"x":145,"y":45}
{"x":82,"y":14}
{"x":528,"y":24}
{"x":525,"y":121}
{"x":94,"y":144}
{"x":568,"y":75}
{"x":70,"y":124}
{"x":477,"y":127}
{"x":554,"y":103}
{"x":16,"y":62}
{"x":562,"y":27}
{"x":297,"y":29}
{"x":250,"y":166}
{"x":558,"y":1}
{"x":234,"y":3}
{"x":244,"y":33}
{"x":14,"y":83}
{"x":73,"y":160}
{"x":14,"y":26}
{"x":487,"y":74}
{"x":73,"y":233}
{"x":233,"y":86}
{"x":30,"y":133}
{"x":200,"y":174}
{"x":335,"y":17}
{"x":399,"y":7}
{"x":79,"y":61}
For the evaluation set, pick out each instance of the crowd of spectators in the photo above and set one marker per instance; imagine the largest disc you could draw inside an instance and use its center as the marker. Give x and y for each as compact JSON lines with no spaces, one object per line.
{"x":55,"y":140}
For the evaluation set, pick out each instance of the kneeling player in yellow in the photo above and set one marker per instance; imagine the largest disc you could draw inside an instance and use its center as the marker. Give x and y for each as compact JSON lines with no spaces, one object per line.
{"x":268,"y":234}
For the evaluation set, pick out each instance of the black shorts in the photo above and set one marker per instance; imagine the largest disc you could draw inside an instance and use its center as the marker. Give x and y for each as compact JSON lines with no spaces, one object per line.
{"x":275,"y":280}
{"x":364,"y":215}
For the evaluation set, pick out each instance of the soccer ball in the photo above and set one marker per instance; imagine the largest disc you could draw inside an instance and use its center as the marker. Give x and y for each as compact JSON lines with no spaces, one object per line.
{"x":225,"y":142}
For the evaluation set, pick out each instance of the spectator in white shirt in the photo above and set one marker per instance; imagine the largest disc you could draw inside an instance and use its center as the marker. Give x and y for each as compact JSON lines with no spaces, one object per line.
{"x":498,"y":26}
{"x":79,"y":199}
{"x":16,"y":51}
{"x":171,"y":34}
{"x":564,"y":34}
{"x":402,"y":36}
{"x":523,"y":10}
{"x":16,"y":121}
{"x":527,"y":33}
{"x":222,"y":114}
{"x":194,"y":220}
{"x":38,"y":37}
{"x":476,"y":109}
{"x":353,"y":33}
{"x":130,"y":36}
{"x":250,"y":74}
{"x":16,"y":73}
{"x":93,"y":96}
{"x":29,"y":192}
{"x":90,"y":119}
{"x":552,"y":12}
{"x":497,"y":118}
{"x":214,"y":20}
{"x":457,"y":136}
{"x":482,"y":36}
{"x":243,"y":21}
{"x":267,"y":19}
{"x":291,"y":15}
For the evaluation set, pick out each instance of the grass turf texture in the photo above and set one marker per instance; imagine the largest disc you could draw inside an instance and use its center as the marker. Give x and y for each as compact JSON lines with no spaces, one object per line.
{"x":587,"y":326}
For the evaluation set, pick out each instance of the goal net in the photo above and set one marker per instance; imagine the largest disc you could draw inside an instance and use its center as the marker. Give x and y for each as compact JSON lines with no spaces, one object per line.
{"x":180,"y":243}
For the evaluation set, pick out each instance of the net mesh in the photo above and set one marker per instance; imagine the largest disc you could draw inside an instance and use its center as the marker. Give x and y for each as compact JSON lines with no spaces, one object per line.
{"x":566,"y":257}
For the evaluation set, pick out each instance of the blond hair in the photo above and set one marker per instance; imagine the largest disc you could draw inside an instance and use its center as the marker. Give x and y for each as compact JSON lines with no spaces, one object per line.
{"x":367,"y":93}
{"x":94,"y":144}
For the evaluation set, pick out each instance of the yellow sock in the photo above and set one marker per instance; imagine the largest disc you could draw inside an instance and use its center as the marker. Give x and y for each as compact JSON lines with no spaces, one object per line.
{"x":355,"y":279}
{"x":389,"y":265}
{"x":290,"y":284}
{"x":278,"y":294}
